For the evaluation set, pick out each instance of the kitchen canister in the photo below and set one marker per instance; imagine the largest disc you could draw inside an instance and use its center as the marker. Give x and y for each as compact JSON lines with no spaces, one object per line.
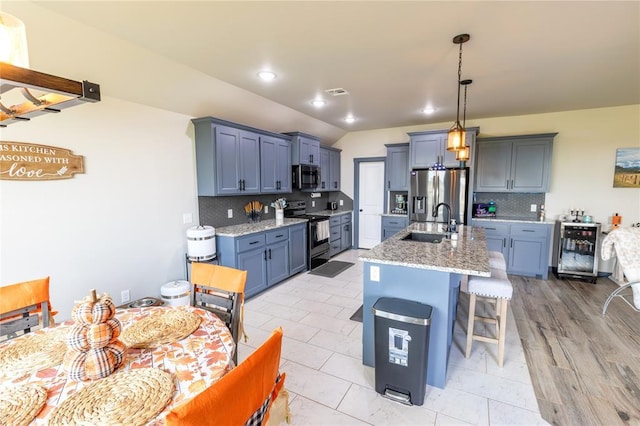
{"x":279,"y":216}
{"x":176,"y":293}
{"x":201,"y":243}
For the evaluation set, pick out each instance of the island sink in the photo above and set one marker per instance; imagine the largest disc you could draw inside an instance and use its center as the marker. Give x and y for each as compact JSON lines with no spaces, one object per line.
{"x":424,"y":237}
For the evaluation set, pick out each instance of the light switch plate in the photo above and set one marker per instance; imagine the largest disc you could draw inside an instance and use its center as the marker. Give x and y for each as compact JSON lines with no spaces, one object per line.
{"x":187,"y":218}
{"x":342,"y":202}
{"x":266,"y":209}
{"x":374,"y":273}
{"x":313,"y":203}
{"x":230,"y":213}
{"x":534,"y":208}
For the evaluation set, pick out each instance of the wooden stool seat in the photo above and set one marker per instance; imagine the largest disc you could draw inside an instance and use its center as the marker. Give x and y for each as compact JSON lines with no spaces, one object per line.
{"x":498,"y":289}
{"x":496,"y":260}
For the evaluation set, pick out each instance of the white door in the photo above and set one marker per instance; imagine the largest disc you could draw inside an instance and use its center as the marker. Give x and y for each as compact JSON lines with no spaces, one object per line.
{"x":371,"y":203}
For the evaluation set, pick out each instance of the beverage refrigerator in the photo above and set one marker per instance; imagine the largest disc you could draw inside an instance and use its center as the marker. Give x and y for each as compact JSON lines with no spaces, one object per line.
{"x":428,"y":188}
{"x":578,"y":250}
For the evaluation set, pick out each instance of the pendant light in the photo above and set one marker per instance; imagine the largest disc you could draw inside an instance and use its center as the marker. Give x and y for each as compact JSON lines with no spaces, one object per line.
{"x":463,"y":154}
{"x":455,"y":139}
{"x":13,"y":41}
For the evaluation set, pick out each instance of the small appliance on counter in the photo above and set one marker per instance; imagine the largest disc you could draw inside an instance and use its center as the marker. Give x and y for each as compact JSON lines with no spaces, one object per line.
{"x":332,"y":205}
{"x":399,"y":204}
{"x":484,"y":209}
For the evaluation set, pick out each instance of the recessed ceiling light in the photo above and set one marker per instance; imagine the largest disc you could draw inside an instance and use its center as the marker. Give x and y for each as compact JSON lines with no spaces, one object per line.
{"x":267,"y":75}
{"x":318,"y":103}
{"x":428,"y":110}
{"x":350,"y":119}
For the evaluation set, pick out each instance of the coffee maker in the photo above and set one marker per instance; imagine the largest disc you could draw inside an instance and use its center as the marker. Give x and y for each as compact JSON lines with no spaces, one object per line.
{"x":399,"y":203}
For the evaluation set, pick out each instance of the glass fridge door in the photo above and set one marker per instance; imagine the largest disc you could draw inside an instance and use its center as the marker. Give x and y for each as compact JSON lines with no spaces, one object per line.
{"x":578,"y":249}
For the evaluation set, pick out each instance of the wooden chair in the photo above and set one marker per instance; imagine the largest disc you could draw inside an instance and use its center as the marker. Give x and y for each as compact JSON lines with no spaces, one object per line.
{"x":22,"y":305}
{"x":220,"y":289}
{"x":252,"y":393}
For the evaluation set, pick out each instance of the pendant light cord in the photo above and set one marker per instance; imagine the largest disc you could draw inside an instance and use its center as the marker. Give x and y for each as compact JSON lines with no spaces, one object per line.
{"x":459,"y":77}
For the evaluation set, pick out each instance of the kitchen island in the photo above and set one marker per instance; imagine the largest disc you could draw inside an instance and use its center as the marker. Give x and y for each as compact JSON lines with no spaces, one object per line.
{"x":424,"y":272}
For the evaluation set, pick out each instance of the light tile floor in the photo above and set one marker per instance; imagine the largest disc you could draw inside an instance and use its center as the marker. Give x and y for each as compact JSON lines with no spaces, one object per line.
{"x":329,"y":385}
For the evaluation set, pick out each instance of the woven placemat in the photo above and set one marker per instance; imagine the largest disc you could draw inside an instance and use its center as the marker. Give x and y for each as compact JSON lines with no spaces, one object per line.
{"x":33,"y":352}
{"x":132,"y":397}
{"x":19,"y":405}
{"x":160,"y":328}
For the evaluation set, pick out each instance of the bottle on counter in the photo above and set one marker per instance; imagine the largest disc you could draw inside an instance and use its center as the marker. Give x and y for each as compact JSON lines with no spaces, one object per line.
{"x":541,"y":213}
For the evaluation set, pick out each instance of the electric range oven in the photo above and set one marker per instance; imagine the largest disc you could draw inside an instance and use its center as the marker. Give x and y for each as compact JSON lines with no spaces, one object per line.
{"x":317,"y":233}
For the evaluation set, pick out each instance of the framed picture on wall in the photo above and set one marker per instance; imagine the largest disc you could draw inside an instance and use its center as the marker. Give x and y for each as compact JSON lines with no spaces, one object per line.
{"x":627,"y":171}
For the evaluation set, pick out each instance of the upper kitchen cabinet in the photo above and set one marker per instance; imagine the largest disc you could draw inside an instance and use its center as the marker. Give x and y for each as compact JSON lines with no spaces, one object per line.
{"x":329,"y":169}
{"x":397,"y":167}
{"x":514,"y":163}
{"x":228,"y":158}
{"x":275,"y":165}
{"x":305,"y":149}
{"x":430,"y":147}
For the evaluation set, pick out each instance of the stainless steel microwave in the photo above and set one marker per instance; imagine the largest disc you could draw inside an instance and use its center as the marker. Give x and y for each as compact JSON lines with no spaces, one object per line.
{"x":305,"y":177}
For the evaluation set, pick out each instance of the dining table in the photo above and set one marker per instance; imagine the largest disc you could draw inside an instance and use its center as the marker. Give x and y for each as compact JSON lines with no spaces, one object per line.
{"x":193,"y":362}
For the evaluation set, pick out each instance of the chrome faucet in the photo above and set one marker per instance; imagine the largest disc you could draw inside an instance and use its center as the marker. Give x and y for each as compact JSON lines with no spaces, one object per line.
{"x":435,"y":213}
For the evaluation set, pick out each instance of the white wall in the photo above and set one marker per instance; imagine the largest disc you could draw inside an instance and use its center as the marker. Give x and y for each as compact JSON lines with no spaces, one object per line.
{"x":583,"y":156}
{"x":117,"y":226}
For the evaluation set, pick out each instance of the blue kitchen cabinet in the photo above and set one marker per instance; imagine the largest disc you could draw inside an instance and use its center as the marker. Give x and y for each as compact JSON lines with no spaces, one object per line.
{"x":248,"y":254}
{"x":237,"y":161}
{"x":514,"y":163}
{"x":305,"y":149}
{"x":334,"y":169}
{"x":335,"y":235}
{"x":397,"y":167}
{"x":429,"y":147}
{"x":325,"y":171}
{"x":297,"y":248}
{"x":391,"y":225}
{"x":275,"y":165}
{"x":345,"y":232}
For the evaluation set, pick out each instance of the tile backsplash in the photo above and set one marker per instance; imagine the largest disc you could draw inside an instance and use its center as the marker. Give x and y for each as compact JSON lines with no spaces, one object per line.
{"x":213,"y":210}
{"x":513,"y":204}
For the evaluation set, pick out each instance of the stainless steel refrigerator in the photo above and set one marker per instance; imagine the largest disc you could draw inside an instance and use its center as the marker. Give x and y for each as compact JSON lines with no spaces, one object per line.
{"x":432,"y":187}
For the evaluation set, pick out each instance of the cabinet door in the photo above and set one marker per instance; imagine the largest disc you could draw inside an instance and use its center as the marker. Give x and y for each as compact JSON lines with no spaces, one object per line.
{"x":228,"y":172}
{"x":249,"y":160}
{"x":397,"y":168}
{"x":268,"y":164}
{"x":499,"y":244}
{"x":448,"y":158}
{"x":530,"y":162}
{"x":309,"y":151}
{"x":283,"y":166}
{"x":254,"y":262}
{"x":493,"y":166}
{"x":425,"y":150}
{"x":297,"y":249}
{"x":334,"y":168}
{"x":345,"y":239}
{"x":277,"y":262}
{"x":325,"y":171}
{"x":526,"y":256}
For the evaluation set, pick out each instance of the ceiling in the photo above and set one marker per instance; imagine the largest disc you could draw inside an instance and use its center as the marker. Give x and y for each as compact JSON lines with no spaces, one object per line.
{"x":394,"y":58}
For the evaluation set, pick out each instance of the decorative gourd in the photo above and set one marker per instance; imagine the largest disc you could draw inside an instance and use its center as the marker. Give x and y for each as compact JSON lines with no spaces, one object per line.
{"x":94,"y":350}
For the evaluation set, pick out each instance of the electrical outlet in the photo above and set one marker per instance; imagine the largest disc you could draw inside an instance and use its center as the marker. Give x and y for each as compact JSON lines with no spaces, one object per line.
{"x":125,"y":296}
{"x":230,"y":213}
{"x":342,"y":202}
{"x":187,"y":218}
{"x":534,"y":208}
{"x":266,"y":209}
{"x":313,"y":203}
{"x":374,"y":273}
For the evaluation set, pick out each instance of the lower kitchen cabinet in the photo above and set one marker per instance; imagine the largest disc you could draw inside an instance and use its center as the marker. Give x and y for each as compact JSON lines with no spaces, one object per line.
{"x":340,"y":236}
{"x":392,"y":225}
{"x":297,"y":248}
{"x":525,"y":246}
{"x":266,"y":255}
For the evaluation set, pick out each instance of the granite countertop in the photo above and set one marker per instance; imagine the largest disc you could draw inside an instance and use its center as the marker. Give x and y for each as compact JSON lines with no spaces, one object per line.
{"x":252,"y":228}
{"x":468,"y":255}
{"x":330,"y":213}
{"x":405,"y":215}
{"x":513,"y":219}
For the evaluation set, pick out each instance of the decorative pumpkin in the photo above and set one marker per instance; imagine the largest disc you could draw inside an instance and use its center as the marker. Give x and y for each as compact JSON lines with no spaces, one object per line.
{"x":94,"y":350}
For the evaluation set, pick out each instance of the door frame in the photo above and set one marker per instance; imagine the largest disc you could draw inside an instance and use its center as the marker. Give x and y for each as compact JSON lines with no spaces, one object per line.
{"x":356,"y":193}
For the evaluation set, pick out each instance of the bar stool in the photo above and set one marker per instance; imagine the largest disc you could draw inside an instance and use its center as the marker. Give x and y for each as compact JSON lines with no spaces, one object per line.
{"x":497,"y":288}
{"x":496,"y":260}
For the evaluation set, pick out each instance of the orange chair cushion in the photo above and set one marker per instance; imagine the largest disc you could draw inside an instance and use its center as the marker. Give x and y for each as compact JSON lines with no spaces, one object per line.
{"x":222,"y":277}
{"x":235,"y":397}
{"x":16,"y":296}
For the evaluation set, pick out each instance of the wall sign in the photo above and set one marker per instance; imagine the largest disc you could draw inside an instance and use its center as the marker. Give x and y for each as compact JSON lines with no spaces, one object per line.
{"x":627,"y":171}
{"x":28,"y":161}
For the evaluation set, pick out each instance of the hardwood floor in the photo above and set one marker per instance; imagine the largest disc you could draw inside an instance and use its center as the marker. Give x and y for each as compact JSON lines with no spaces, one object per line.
{"x":585,"y":367}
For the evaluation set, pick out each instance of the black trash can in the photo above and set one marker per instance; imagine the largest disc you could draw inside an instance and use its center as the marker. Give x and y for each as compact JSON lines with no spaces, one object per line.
{"x":401,"y":340}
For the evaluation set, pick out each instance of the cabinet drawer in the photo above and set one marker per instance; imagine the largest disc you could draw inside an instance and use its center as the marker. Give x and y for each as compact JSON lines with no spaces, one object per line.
{"x":249,"y":242}
{"x":395,"y":222}
{"x":494,"y":228}
{"x":334,"y":220}
{"x":345,"y":218}
{"x":528,"y":230}
{"x":334,"y":233}
{"x":277,"y":235}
